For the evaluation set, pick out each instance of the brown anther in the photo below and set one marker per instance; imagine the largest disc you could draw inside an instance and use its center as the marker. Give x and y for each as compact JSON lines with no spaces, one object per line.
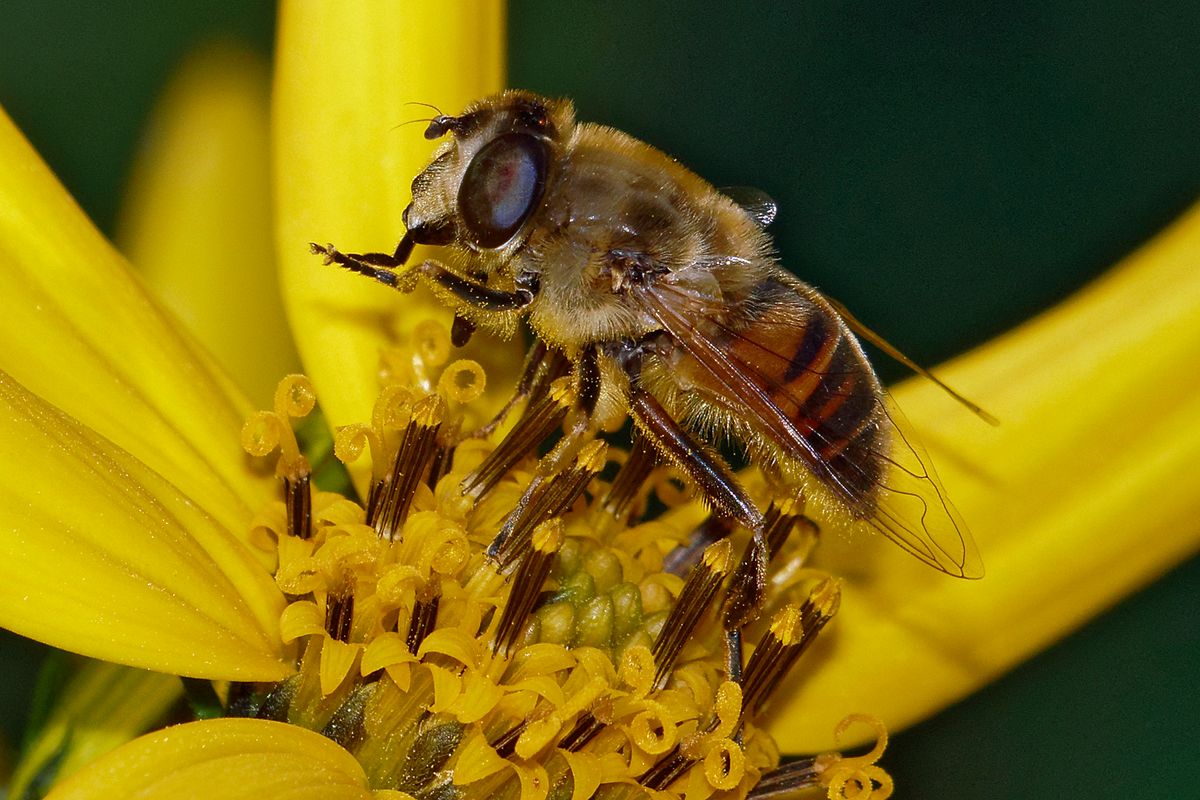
{"x":687,"y":555}
{"x":786,"y":779}
{"x":297,"y":499}
{"x":339,"y":614}
{"x":542,"y":418}
{"x":549,"y":498}
{"x":584,"y":731}
{"x":416,"y":451}
{"x":424,"y":615}
{"x":668,"y":768}
{"x":697,"y":595}
{"x":791,"y":632}
{"x":630,"y":479}
{"x":778,"y":522}
{"x":527,"y":583}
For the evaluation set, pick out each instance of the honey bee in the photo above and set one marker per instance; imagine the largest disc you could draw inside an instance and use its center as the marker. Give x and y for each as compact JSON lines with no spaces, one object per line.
{"x":663,"y":295}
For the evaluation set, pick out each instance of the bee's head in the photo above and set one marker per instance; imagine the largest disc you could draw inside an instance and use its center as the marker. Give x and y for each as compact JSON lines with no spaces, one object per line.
{"x":488,"y":179}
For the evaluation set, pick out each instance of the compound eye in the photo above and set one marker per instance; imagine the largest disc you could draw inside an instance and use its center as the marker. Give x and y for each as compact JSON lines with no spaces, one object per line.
{"x":501,"y":187}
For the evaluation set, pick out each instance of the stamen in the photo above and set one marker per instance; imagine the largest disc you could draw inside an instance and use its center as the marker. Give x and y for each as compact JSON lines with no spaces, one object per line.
{"x":630,"y":479}
{"x":339,"y":614}
{"x":424,"y":615}
{"x":444,"y":684}
{"x":507,"y":743}
{"x":584,"y":731}
{"x":787,"y":778}
{"x":267,"y":431}
{"x":791,"y":631}
{"x":685,"y":556}
{"x":527,"y":583}
{"x":702,"y":585}
{"x":666,"y":771}
{"x":413,"y":456}
{"x":547,"y":499}
{"x":297,"y":498}
{"x":392,"y":411}
{"x":543,"y":417}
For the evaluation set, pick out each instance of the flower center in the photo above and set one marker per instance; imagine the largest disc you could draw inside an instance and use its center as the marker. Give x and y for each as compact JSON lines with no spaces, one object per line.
{"x":492,"y":624}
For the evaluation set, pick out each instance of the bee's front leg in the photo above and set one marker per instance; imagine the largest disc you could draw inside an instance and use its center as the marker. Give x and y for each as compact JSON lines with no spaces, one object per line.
{"x":382,"y":268}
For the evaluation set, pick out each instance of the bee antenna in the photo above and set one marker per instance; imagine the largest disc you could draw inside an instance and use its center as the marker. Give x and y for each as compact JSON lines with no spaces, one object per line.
{"x":436,"y":110}
{"x":412,"y":122}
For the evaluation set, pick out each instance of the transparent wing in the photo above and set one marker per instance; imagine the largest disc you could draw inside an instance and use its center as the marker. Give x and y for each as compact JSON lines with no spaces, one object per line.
{"x":891,"y":487}
{"x":761,"y":207}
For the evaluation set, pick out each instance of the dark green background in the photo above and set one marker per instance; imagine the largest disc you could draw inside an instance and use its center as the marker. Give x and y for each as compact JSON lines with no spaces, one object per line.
{"x":945,"y":169}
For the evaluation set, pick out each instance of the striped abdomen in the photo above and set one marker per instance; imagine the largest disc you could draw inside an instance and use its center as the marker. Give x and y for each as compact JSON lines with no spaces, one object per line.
{"x":804,"y":359}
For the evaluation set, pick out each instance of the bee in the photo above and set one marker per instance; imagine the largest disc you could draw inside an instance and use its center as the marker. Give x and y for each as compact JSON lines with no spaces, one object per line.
{"x":664,"y":297}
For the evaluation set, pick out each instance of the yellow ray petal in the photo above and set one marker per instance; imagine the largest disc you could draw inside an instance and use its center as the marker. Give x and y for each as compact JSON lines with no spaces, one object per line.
{"x":102,"y":707}
{"x":343,"y":167}
{"x":102,"y":556}
{"x":1084,"y":493}
{"x":79,"y":330}
{"x":226,"y":758}
{"x":196,"y":222}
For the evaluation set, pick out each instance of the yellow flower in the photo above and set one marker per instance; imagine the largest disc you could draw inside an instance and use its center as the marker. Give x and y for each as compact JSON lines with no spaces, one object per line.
{"x":128,"y":509}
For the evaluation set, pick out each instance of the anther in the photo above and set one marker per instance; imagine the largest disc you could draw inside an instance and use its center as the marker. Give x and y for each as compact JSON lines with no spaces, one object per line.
{"x":424,"y":615}
{"x":778,"y":522}
{"x":543,"y":417}
{"x":339,"y":614}
{"x":297,"y":499}
{"x":583,"y":732}
{"x":790,"y":633}
{"x":667,"y":770}
{"x":527,"y":583}
{"x":630,"y":479}
{"x":551,"y":498}
{"x":702,"y":585}
{"x":786,"y":779}
{"x":414,"y":455}
{"x":685,"y":556}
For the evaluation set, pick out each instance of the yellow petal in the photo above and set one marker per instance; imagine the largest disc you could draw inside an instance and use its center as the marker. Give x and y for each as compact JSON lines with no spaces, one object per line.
{"x":226,"y":758}
{"x":343,"y":166}
{"x":102,"y":707}
{"x":1083,"y":494}
{"x":79,"y":331}
{"x":196,"y":220}
{"x":336,"y":660}
{"x":102,"y":556}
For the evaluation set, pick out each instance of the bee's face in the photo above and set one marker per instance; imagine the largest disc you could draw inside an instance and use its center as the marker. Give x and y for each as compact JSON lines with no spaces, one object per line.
{"x":488,"y":179}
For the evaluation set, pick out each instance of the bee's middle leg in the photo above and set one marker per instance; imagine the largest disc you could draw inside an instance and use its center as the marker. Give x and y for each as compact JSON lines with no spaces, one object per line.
{"x":713,"y":477}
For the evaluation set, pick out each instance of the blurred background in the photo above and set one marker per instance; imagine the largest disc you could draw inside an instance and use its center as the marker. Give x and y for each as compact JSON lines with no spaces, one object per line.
{"x":945,"y":173}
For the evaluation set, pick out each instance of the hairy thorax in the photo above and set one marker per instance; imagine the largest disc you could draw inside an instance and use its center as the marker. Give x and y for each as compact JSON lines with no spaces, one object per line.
{"x":618,"y":219}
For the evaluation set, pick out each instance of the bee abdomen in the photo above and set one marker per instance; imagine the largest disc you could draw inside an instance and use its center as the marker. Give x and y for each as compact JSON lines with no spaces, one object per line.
{"x":819,"y":378}
{"x":838,"y":419}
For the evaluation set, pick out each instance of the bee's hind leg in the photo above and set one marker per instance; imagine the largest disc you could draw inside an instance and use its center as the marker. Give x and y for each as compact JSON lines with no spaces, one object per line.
{"x":722,"y":489}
